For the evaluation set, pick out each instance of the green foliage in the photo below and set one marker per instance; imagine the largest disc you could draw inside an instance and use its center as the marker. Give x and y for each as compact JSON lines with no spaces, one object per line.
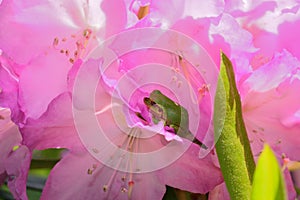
{"x":232,"y":146}
{"x":41,"y":164}
{"x":268,"y":182}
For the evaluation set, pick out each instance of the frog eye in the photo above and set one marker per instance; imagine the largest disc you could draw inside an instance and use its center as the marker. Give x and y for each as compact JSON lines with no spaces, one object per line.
{"x":148,"y":102}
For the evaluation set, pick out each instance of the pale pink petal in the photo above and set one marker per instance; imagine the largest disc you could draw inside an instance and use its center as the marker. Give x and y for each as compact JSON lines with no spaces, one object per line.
{"x":115,"y":15}
{"x":69,"y":31}
{"x":203,"y":9}
{"x":35,"y":25}
{"x":161,"y":14}
{"x":283,"y":66}
{"x":239,"y":40}
{"x":271,"y":105}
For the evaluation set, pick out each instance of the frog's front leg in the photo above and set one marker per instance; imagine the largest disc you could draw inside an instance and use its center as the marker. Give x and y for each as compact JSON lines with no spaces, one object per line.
{"x":187,"y":134}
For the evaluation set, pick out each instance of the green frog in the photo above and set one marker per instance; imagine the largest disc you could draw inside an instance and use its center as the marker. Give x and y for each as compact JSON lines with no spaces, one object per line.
{"x":174,"y":115}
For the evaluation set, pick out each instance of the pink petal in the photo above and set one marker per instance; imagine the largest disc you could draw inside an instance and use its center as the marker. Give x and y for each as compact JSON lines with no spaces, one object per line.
{"x":41,"y":81}
{"x":192,"y":174}
{"x":289,"y":185}
{"x":9,"y":136}
{"x":273,"y":85}
{"x":9,"y":89}
{"x":219,"y":192}
{"x":54,"y":129}
{"x":90,"y":186}
{"x":14,"y":164}
{"x":17,"y":166}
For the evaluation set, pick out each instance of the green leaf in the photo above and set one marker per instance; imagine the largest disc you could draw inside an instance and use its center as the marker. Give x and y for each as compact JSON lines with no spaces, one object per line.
{"x":268,"y":182}
{"x":232,"y":145}
{"x":48,"y":154}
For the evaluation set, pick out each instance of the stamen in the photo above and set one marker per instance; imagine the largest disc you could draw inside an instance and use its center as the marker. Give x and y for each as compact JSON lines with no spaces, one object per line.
{"x":71,"y":60}
{"x":90,"y":171}
{"x":95,"y":150}
{"x":76,"y":54}
{"x":67,"y":53}
{"x":143,"y":11}
{"x":105,"y":188}
{"x":179,"y":83}
{"x":80,"y":40}
{"x":202,"y":91}
{"x":191,"y":79}
{"x":87,"y":33}
{"x":55,"y":42}
{"x":286,"y":161}
{"x":174,"y":78}
{"x":130,"y":187}
{"x":128,"y":144}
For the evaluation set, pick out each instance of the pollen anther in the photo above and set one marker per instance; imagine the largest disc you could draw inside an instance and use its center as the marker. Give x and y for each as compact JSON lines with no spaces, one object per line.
{"x":105,"y":188}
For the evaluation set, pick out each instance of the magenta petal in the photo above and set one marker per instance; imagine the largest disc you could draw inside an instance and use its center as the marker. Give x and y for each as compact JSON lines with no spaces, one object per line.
{"x":193,"y":174}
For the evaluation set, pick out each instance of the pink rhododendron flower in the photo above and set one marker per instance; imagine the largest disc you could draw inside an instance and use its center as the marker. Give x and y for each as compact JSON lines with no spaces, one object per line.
{"x":14,"y":158}
{"x":44,"y":44}
{"x":273,"y":115}
{"x":44,"y":38}
{"x":101,"y":181}
{"x":270,"y":35}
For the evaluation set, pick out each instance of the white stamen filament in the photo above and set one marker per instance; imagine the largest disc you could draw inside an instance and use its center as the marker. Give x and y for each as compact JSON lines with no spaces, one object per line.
{"x":130,"y":145}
